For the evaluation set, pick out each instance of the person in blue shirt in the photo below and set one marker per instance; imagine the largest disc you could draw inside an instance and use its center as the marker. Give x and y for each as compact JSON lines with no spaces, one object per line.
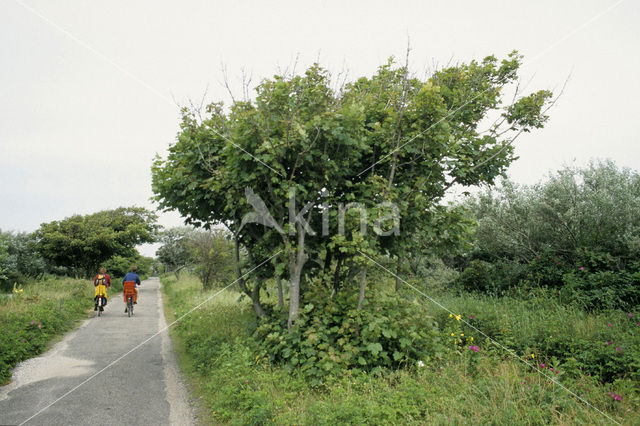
{"x":132,"y":276}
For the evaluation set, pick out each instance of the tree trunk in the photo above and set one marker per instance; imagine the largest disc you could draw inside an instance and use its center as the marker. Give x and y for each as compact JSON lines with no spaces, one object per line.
{"x":255,"y":300}
{"x":253,"y":294}
{"x":398,"y":273}
{"x":363,"y":282}
{"x":280,"y":293}
{"x":297,"y":260}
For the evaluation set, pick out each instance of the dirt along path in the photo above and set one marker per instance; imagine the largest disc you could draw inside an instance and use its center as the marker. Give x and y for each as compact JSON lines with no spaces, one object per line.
{"x":112,"y":379}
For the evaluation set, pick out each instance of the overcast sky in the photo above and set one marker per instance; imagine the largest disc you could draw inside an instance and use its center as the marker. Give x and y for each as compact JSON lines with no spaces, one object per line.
{"x":89,"y":91}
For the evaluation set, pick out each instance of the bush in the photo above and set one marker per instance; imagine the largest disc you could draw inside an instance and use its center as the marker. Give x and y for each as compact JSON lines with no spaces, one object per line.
{"x":333,"y":336}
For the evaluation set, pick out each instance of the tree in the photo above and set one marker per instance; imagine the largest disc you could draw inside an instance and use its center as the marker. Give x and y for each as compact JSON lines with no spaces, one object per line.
{"x":83,"y":243}
{"x":290,"y":172}
{"x":19,"y":258}
{"x":593,"y":208}
{"x":174,"y":252}
{"x":118,"y":266}
{"x":212,"y":256}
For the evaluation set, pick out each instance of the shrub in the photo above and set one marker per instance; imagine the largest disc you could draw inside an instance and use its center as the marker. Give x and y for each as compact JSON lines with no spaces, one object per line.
{"x":332,"y":336}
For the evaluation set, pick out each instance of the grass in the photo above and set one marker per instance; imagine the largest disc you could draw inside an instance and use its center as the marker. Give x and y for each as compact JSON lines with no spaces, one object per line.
{"x":32,"y":319}
{"x":238,"y":386}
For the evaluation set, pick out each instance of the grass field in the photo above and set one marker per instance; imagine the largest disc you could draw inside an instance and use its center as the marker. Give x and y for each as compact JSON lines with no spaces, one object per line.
{"x":238,"y":386}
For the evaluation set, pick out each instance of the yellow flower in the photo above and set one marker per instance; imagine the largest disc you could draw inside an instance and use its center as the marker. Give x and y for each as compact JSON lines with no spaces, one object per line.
{"x":461,"y":334}
{"x":458,"y":317}
{"x":472,"y":339}
{"x":450,"y":315}
{"x":453,"y":334}
{"x":533,"y":356}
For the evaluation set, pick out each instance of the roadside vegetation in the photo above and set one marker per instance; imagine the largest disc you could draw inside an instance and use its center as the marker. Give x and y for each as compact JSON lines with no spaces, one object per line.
{"x":35,"y":314}
{"x":326,"y":190}
{"x":462,"y":382}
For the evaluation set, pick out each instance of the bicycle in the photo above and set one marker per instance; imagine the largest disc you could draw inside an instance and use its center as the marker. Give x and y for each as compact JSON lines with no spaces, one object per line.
{"x":100,"y":299}
{"x":129,"y":294}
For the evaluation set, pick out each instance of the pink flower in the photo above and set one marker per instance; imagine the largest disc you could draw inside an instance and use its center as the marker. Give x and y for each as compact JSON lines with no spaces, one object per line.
{"x":474,"y":348}
{"x":609,"y":343}
{"x":246,"y":381}
{"x":23,"y":341}
{"x":615,"y":396}
{"x":542,"y":365}
{"x":630,"y":315}
{"x":39,"y":325}
{"x":609,"y":325}
{"x":538,"y":257}
{"x":471,"y":317}
{"x":618,"y":349}
{"x":33,"y":322}
{"x":582,"y":268}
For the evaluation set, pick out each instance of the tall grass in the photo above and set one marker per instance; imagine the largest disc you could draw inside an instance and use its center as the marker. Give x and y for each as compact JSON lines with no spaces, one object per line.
{"x":238,"y":386}
{"x":30,"y":319}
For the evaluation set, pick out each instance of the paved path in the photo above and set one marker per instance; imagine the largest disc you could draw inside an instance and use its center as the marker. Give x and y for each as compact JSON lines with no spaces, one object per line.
{"x":143,"y":388}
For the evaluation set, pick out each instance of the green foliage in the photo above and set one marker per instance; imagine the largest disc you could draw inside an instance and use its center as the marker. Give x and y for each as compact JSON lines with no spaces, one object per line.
{"x":576,"y":233}
{"x":333,"y":336}
{"x":239,"y":386}
{"x":174,"y":254}
{"x":80,"y":244}
{"x":208,"y":254}
{"x":381,"y":141}
{"x":19,"y":259}
{"x":31,"y":319}
{"x":212,"y":255}
{"x":118,"y":266}
{"x":593,"y":209}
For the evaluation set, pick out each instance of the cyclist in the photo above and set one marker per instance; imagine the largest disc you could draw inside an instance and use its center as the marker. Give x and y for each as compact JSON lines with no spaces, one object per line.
{"x":132,"y":276}
{"x":102,"y":281}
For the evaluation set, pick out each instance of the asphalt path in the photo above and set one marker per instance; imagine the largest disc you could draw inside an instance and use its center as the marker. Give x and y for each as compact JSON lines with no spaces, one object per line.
{"x":118,"y":370}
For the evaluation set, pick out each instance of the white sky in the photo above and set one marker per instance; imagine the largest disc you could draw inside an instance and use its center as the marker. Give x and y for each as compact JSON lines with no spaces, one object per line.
{"x":87,"y":88}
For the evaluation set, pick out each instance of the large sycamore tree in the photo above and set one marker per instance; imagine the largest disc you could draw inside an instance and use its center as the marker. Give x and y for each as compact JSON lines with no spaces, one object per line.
{"x":330,"y":177}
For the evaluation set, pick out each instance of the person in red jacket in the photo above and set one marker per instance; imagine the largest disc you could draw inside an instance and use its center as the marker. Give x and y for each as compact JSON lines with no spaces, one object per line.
{"x":101,"y":282}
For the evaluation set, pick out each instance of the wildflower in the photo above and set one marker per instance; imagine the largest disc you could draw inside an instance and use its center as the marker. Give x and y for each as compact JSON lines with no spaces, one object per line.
{"x":39,"y":325}
{"x":615,"y":396}
{"x":609,"y":325}
{"x":453,"y":334}
{"x":474,"y":348}
{"x":542,"y":365}
{"x":537,"y":257}
{"x":23,"y":341}
{"x":246,"y":381}
{"x":450,"y":315}
{"x":582,"y":268}
{"x":533,"y":355}
{"x":471,"y":317}
{"x":609,"y":343}
{"x":458,"y":317}
{"x":618,"y":349}
{"x":630,"y":315}
{"x":33,"y":322}
{"x":420,"y":364}
{"x":472,"y":339}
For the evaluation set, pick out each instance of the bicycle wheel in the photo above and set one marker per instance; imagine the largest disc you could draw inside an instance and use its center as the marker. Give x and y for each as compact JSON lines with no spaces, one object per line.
{"x":99,"y":306}
{"x":129,"y":307}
